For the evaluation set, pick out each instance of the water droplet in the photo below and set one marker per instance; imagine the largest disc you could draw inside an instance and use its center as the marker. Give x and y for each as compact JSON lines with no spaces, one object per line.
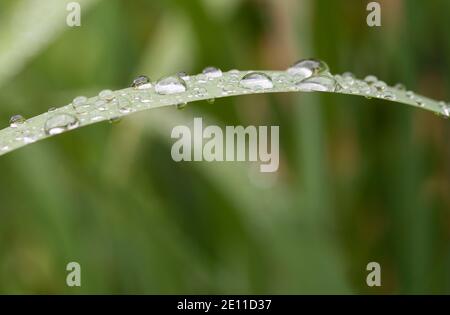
{"x":388,"y":95}
{"x":380,"y":85}
{"x":183,"y":75}
{"x":170,"y":85}
{"x":371,"y":79}
{"x":410,"y":94}
{"x":348,"y":75}
{"x":420,"y":102}
{"x":79,"y":101}
{"x":100,"y":105}
{"x":318,"y":83}
{"x":51,"y":109}
{"x":212,"y":72}
{"x":124,"y":105}
{"x":227,"y":89}
{"x":211,"y":100}
{"x":106,"y":95}
{"x":199,"y":92}
{"x":141,"y":82}
{"x":16,"y":121}
{"x":308,"y":67}
{"x":256,"y":81}
{"x":60,"y":123}
{"x":400,"y":87}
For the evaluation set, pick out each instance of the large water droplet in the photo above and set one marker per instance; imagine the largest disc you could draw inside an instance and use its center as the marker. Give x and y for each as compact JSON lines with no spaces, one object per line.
{"x":212,"y":72}
{"x":256,"y":81}
{"x":141,"y":82}
{"x":308,"y":67}
{"x":170,"y":85}
{"x":320,"y":83}
{"x":60,"y":123}
{"x":16,"y":121}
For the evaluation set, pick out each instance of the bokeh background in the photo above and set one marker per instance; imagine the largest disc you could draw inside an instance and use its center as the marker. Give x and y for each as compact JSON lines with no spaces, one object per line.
{"x":359,"y":180}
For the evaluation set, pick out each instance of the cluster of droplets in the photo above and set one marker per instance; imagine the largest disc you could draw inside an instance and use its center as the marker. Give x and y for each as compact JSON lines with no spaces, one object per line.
{"x":305,"y":75}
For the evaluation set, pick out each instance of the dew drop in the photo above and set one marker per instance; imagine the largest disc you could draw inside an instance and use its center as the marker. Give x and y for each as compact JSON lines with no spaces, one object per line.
{"x":400,"y":87}
{"x":106,"y":95}
{"x":420,"y":102}
{"x":371,"y":79}
{"x":320,"y":83}
{"x":380,"y":85}
{"x":124,"y":105}
{"x":16,"y":121}
{"x":60,"y":123}
{"x":183,"y":75}
{"x":256,"y":81}
{"x":141,"y":82}
{"x":212,"y":72}
{"x":308,"y":67}
{"x":388,"y":95}
{"x":170,"y":85}
{"x":79,"y":101}
{"x":410,"y":94}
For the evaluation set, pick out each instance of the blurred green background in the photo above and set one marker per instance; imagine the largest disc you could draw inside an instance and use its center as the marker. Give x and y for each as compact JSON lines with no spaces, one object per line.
{"x":359,"y":180}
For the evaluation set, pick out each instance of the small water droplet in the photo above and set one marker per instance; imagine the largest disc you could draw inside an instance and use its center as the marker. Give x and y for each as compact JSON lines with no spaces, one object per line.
{"x":51,"y":109}
{"x":400,"y":87}
{"x":348,"y":75}
{"x":256,"y":81}
{"x":79,"y":101}
{"x":183,"y":75}
{"x":380,"y":85}
{"x":308,"y":67}
{"x":60,"y":123}
{"x":141,"y":82}
{"x":318,"y":83}
{"x":211,"y":100}
{"x":100,"y":105}
{"x":16,"y":121}
{"x":124,"y":105}
{"x":106,"y":95}
{"x":420,"y":102}
{"x":410,"y":94}
{"x":388,"y":95}
{"x":371,"y":79}
{"x":170,"y":85}
{"x":212,"y":72}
